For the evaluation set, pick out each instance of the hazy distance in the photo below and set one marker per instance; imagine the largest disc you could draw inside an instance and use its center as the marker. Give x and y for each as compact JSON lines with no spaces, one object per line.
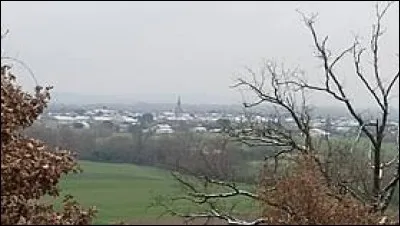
{"x":155,"y":51}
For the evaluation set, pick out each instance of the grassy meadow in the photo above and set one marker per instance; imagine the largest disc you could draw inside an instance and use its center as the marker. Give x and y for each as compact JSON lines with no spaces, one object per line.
{"x":123,"y":191}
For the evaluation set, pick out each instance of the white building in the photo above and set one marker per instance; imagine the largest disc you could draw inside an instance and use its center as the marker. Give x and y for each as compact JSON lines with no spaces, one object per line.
{"x":217,"y":130}
{"x":318,"y":132}
{"x":62,"y":119}
{"x":103,"y":118}
{"x":199,"y":129}
{"x":164,"y":129}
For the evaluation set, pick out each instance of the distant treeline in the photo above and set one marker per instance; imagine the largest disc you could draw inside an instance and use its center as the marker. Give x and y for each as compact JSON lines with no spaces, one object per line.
{"x":210,"y":154}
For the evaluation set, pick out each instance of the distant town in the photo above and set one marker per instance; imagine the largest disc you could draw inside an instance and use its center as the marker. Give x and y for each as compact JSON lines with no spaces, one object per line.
{"x":177,"y":119}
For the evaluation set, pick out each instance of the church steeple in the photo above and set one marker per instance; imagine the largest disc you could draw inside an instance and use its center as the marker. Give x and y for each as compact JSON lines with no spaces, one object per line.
{"x":178,"y":107}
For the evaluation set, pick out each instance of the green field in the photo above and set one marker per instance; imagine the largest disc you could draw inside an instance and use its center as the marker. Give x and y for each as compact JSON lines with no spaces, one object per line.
{"x":120,"y":191}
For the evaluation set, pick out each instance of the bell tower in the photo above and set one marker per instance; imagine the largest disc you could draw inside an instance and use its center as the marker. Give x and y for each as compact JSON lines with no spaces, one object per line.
{"x":178,"y":108}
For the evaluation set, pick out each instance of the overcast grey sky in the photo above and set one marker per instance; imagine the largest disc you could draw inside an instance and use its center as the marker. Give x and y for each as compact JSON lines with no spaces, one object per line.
{"x":154,"y":51}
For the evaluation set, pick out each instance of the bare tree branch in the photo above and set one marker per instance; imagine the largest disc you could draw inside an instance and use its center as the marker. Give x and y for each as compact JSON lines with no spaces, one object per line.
{"x":5,"y":33}
{"x":357,"y":60}
{"x":391,"y":84}
{"x":24,"y":65}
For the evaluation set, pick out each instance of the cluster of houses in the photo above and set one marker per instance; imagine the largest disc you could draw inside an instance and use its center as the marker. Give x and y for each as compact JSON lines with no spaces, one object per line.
{"x":122,"y":121}
{"x":170,"y":121}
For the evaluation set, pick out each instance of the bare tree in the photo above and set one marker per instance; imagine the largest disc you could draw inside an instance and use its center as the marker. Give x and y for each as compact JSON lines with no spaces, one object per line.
{"x":375,"y":132}
{"x":287,"y":91}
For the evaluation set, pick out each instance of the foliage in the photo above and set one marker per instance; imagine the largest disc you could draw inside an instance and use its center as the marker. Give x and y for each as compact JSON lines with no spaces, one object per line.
{"x":29,"y":168}
{"x":304,"y":197}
